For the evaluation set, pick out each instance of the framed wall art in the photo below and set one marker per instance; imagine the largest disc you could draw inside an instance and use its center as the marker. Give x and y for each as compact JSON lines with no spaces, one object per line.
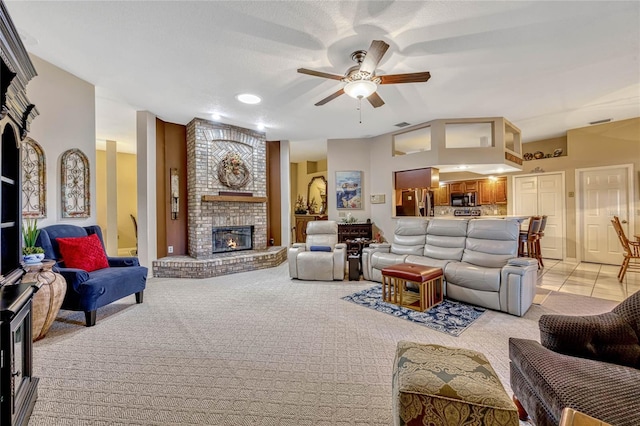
{"x":75,"y":196}
{"x":34,"y":180}
{"x":349,"y":190}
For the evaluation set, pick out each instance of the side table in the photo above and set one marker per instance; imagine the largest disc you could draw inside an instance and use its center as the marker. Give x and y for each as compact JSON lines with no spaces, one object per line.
{"x":354,"y":248}
{"x":354,"y":267}
{"x":47,"y":301}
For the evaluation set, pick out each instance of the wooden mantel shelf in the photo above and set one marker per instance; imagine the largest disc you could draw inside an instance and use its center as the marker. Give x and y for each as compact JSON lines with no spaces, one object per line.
{"x":234,"y":198}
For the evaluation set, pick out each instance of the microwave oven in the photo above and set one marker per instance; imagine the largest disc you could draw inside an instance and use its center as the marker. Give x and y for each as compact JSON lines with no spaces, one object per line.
{"x":467,"y":199}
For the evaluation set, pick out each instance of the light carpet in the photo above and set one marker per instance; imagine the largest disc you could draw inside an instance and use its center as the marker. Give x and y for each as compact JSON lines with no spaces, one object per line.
{"x":448,"y":316}
{"x":254,"y":348}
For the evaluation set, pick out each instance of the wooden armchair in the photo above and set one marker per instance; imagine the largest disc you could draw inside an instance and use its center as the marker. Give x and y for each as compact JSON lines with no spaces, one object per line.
{"x":630,"y":251}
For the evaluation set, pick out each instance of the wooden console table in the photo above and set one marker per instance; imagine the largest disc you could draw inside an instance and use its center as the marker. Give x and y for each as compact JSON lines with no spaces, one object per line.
{"x":301,"y":225}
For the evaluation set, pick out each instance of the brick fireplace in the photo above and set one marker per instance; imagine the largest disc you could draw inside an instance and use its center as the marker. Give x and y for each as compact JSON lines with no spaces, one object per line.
{"x":208,"y":144}
{"x":226,"y":188}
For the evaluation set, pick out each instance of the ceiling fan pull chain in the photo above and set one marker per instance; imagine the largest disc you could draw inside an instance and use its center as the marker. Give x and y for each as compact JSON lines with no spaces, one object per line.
{"x":360,"y":108}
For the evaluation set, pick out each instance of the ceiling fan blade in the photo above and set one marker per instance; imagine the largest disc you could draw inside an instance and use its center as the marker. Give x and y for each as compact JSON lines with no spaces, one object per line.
{"x":330,"y":97}
{"x":415,"y":77}
{"x":375,"y":53}
{"x":320,"y":74}
{"x":375,"y":100}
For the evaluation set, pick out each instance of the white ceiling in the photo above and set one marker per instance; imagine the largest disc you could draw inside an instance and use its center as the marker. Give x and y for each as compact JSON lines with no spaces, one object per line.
{"x":545,"y":66}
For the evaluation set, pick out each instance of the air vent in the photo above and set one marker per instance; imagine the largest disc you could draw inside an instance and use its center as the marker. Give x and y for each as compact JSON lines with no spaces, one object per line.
{"x":606,"y":120}
{"x":403,"y":124}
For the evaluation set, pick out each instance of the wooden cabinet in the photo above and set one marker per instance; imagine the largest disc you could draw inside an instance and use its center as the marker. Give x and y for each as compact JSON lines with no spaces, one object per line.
{"x":492,"y":192}
{"x":301,"y":225}
{"x":463,"y":186}
{"x":500,"y":188}
{"x":350,"y":231}
{"x":441,"y":196}
{"x":19,"y":387}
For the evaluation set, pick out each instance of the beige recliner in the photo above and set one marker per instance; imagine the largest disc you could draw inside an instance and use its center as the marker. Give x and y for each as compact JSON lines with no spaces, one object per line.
{"x":321,"y":257}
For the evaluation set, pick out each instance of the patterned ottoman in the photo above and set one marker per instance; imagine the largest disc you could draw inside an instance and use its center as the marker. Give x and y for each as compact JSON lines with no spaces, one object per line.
{"x":438,"y":385}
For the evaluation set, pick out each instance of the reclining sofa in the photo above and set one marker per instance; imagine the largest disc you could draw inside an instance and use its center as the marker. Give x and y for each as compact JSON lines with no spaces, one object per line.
{"x":478,"y":258}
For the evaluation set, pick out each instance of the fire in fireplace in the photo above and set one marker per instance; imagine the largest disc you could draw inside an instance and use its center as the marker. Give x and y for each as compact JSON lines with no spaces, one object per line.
{"x":232,"y":238}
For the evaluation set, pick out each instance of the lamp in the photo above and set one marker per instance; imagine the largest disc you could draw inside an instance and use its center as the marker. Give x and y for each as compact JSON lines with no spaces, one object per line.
{"x":360,"y":88}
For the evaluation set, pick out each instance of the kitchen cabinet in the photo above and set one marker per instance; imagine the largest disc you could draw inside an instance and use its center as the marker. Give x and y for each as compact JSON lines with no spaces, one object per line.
{"x":463,"y":186}
{"x":301,"y":225}
{"x":492,"y":192}
{"x":441,"y":196}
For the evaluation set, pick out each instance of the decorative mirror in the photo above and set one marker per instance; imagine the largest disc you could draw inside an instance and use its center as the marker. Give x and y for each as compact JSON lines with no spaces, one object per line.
{"x":317,"y":195}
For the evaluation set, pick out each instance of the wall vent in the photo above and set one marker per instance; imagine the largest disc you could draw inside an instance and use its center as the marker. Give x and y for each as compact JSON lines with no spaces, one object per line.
{"x":606,"y":120}
{"x":403,"y":124}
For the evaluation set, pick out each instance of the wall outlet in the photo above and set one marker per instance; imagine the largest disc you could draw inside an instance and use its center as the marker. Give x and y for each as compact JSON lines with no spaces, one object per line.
{"x":170,"y":249}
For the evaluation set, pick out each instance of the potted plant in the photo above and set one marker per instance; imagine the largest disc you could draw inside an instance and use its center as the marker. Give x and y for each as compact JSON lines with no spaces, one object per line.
{"x":30,"y":253}
{"x":301,"y":205}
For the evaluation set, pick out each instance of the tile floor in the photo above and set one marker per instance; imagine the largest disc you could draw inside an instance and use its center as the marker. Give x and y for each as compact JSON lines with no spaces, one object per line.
{"x":588,"y":279}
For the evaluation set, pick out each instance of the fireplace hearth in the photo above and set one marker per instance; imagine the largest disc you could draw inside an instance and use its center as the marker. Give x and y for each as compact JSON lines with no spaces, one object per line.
{"x":232,"y":238}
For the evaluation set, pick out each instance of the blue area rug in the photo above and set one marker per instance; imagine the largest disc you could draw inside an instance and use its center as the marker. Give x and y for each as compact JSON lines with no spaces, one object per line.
{"x":447,"y":317}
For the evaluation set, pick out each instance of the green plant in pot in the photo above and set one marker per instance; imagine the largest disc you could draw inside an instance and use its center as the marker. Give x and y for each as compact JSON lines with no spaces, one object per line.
{"x":30,"y":253}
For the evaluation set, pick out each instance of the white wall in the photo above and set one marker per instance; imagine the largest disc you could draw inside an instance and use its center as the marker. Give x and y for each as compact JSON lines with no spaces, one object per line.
{"x":374,"y":157}
{"x":344,"y":155}
{"x":67,"y":120}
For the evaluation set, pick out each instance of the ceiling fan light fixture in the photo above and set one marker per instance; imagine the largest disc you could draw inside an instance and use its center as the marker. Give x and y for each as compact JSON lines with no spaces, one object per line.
{"x":360,"y":88}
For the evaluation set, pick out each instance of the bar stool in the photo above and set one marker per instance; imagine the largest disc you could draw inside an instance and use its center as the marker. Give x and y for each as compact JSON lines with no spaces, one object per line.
{"x":537,"y":248}
{"x":527,"y":239}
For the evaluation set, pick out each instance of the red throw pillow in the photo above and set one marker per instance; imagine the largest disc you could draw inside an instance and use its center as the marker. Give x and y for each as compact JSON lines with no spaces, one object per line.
{"x":84,"y":253}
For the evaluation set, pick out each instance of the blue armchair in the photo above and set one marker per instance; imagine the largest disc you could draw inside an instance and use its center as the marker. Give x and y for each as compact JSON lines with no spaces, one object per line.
{"x":88,"y":291}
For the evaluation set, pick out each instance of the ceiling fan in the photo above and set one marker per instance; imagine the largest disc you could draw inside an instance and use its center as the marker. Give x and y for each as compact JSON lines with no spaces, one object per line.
{"x":361,"y":79}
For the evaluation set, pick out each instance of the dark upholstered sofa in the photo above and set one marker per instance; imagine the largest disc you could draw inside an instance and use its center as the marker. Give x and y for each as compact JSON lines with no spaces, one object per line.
{"x":589,"y":363}
{"x":88,"y":291}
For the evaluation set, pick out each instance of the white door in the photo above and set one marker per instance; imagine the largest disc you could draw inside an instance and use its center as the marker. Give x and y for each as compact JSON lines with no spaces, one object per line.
{"x":603,"y":195}
{"x":543,"y":195}
{"x":526,"y":195}
{"x":550,"y":203}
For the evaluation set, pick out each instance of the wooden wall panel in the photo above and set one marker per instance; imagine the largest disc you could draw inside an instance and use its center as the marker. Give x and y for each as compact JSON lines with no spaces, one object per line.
{"x":172,"y":147}
{"x":274,"y":197}
{"x":161,"y":232}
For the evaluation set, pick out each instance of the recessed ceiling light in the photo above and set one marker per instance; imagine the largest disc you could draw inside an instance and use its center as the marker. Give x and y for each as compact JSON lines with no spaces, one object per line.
{"x":260,"y":126}
{"x":463,"y":167}
{"x":248,"y":98}
{"x":215,"y":116}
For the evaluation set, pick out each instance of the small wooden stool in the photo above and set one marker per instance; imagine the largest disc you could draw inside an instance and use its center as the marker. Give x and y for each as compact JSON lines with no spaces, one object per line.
{"x":427,"y":279}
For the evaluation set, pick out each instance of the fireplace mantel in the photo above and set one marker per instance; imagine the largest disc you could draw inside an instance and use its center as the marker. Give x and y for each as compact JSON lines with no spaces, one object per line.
{"x":234,"y":198}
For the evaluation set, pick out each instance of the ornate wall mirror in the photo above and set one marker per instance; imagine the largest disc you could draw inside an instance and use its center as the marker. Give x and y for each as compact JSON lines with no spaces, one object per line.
{"x":317,"y":195}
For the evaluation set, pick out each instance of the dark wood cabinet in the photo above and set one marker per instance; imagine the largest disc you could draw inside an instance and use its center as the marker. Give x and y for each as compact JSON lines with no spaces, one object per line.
{"x":18,"y":389}
{"x":301,"y":225}
{"x":463,"y":186}
{"x":441,"y":196}
{"x":492,"y":191}
{"x":351,"y":231}
{"x":17,"y":384}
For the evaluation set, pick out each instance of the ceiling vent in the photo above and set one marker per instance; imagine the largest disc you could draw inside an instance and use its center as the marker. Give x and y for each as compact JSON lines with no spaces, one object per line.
{"x":403,"y":124}
{"x":606,"y":120}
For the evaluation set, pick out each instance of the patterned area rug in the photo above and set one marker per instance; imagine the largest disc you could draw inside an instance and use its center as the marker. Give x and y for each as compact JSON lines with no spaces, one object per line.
{"x":447,"y":317}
